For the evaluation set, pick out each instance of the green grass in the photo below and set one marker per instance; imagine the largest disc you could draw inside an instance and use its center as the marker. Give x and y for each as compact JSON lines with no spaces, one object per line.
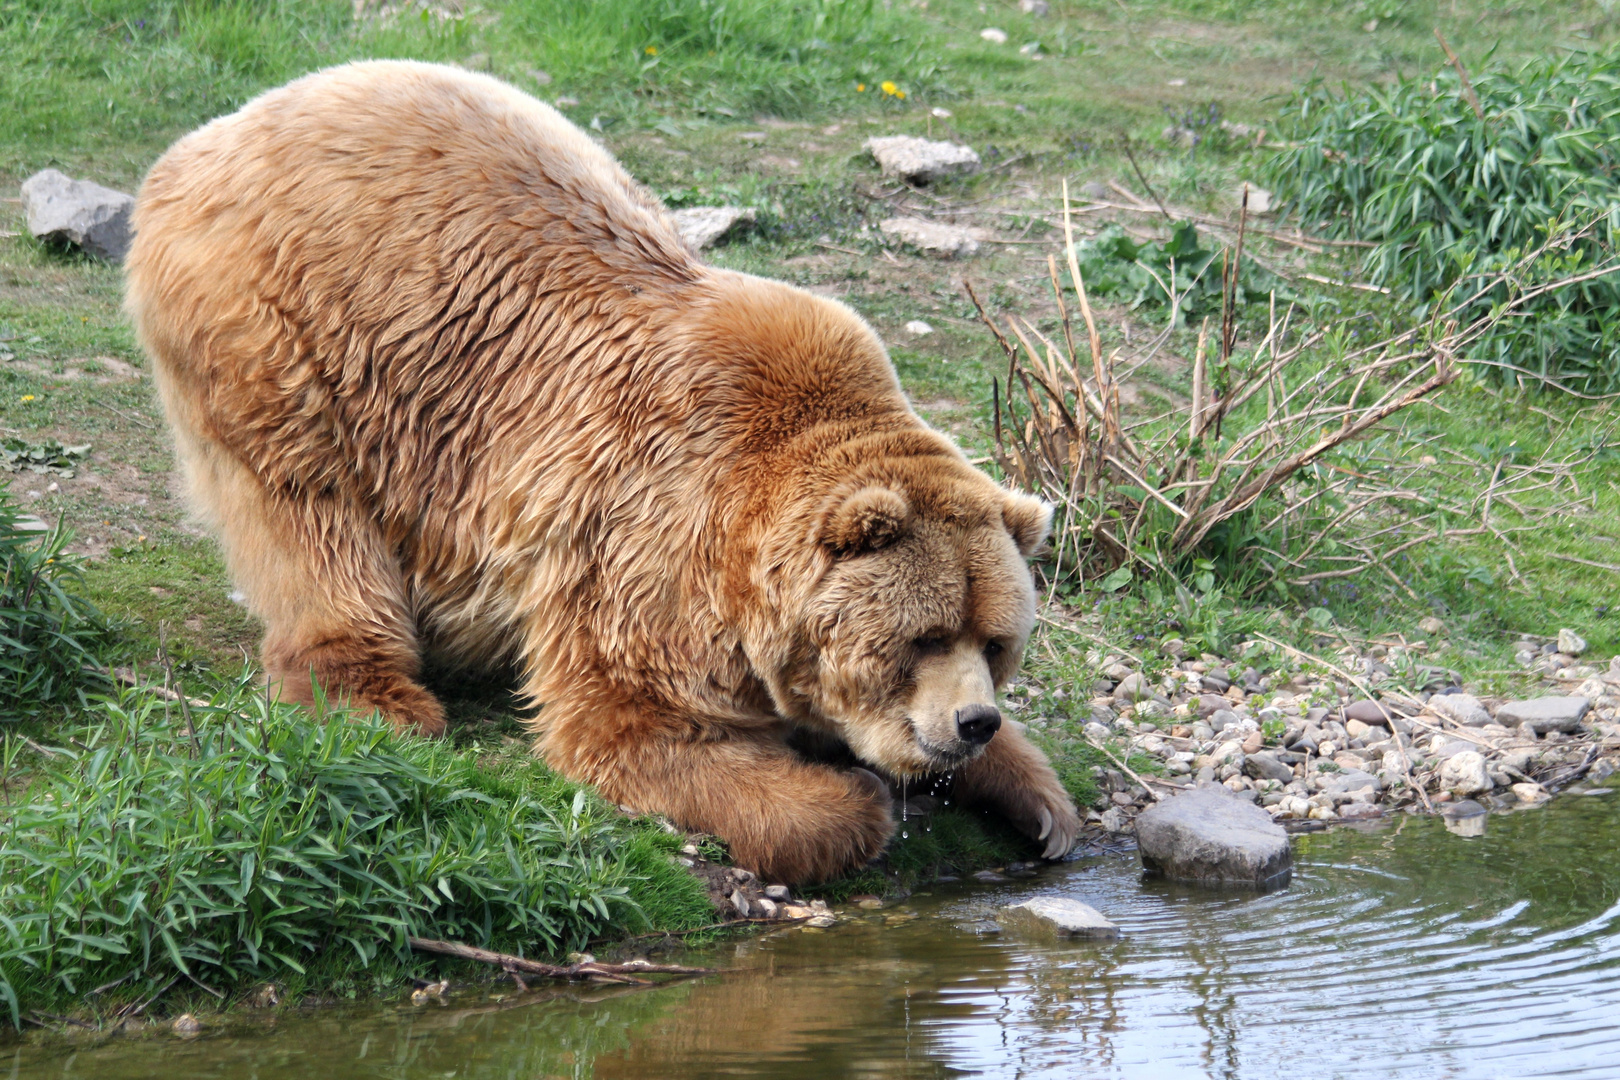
{"x":236,"y":842}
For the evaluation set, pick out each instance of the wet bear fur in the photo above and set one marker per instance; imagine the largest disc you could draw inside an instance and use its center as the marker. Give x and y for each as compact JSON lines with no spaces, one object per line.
{"x":448,"y":386}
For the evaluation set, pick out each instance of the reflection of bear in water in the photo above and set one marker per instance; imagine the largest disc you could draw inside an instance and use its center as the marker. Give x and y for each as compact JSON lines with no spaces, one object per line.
{"x":445,"y":381}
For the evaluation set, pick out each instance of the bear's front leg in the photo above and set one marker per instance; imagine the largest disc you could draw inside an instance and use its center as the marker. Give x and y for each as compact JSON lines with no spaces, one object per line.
{"x":1013,"y":776}
{"x":785,"y":819}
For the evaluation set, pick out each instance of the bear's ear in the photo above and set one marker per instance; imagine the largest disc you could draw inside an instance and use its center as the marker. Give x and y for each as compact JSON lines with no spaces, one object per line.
{"x":1028,"y":519}
{"x":872,"y":518}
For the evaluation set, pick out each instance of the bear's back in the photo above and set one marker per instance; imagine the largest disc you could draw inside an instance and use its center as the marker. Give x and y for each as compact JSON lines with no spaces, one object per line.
{"x":385,"y":265}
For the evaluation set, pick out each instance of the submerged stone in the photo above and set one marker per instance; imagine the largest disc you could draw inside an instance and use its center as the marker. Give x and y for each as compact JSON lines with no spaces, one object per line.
{"x":1057,"y":917}
{"x":1210,"y":837}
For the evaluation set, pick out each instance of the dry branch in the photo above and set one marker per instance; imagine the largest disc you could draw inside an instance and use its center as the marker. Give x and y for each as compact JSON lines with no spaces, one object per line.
{"x":618,"y":973}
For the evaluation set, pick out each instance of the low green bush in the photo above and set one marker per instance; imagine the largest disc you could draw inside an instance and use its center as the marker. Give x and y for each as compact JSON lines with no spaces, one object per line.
{"x":1180,"y":272}
{"x":50,"y":636}
{"x":244,"y":841}
{"x":1480,"y":208}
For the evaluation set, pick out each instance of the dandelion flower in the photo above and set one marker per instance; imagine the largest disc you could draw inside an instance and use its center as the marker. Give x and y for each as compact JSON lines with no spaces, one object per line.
{"x":860,"y":88}
{"x":901,"y":94}
{"x":889,"y":88}
{"x":28,"y":397}
{"x":652,"y":50}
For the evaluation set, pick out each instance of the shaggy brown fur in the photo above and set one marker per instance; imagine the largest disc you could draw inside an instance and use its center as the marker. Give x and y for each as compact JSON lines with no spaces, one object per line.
{"x":446,"y":381}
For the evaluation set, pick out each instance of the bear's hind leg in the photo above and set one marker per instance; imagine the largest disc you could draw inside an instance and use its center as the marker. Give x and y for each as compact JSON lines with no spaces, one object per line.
{"x":330,"y":594}
{"x":785,"y":819}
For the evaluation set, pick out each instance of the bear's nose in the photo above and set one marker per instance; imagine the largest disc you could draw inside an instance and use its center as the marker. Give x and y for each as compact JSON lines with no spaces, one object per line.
{"x":977,"y":723}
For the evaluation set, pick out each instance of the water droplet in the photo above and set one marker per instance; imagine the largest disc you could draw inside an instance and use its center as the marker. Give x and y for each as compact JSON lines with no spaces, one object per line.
{"x":904,"y":835}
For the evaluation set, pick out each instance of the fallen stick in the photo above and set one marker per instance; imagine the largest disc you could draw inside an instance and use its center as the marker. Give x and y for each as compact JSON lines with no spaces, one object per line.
{"x":621,"y":973}
{"x":1130,"y":772}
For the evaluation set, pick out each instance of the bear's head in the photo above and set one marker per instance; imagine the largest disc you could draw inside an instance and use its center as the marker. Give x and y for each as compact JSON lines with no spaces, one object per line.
{"x":919,"y":613}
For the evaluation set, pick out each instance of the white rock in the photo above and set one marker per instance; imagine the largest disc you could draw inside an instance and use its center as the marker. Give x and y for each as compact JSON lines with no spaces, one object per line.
{"x":1462,"y":708}
{"x":994,"y":36}
{"x":1542,"y":715}
{"x":703,"y":226}
{"x":1259,"y":199}
{"x":1038,"y":8}
{"x":1113,"y":819}
{"x":918,"y":328}
{"x":1570,"y":643}
{"x":939,"y":113}
{"x":931,"y":237}
{"x":767,"y":907}
{"x":921,"y":161}
{"x":1464,"y":773}
{"x":1055,"y":916}
{"x":1529,"y":792}
{"x":78,"y":211}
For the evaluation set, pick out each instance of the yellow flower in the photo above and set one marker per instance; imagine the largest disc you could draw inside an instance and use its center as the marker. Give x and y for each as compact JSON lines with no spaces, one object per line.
{"x":860,"y":88}
{"x":901,"y":94}
{"x":28,"y":397}
{"x":652,"y":50}
{"x":888,"y":87}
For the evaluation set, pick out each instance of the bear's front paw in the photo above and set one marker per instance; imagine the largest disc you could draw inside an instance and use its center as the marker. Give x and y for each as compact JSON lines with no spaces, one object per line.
{"x":1044,"y":811}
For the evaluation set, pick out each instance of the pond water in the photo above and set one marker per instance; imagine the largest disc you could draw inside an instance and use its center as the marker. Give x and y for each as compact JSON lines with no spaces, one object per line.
{"x":1400,"y":951}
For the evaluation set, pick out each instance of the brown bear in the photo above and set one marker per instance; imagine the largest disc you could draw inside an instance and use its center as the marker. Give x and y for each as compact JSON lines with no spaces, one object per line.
{"x":447,"y":385}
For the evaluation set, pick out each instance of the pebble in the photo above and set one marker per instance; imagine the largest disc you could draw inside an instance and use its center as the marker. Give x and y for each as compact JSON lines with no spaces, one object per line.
{"x":187,"y":1026}
{"x":1465,"y":774}
{"x":1570,"y":643}
{"x":993,"y":35}
{"x":1465,"y":709}
{"x":990,"y":877}
{"x":918,"y":328}
{"x":779,"y":893}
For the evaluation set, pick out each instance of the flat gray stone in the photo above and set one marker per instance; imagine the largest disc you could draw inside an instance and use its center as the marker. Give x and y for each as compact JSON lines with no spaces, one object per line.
{"x":83,"y":213}
{"x":921,"y":161}
{"x":1210,"y":837}
{"x":1369,"y":712}
{"x":931,"y":237}
{"x":1263,"y":766}
{"x":1545,"y":714}
{"x":1350,"y":780}
{"x":705,"y":226}
{"x":1464,"y":709}
{"x":1056,"y":917}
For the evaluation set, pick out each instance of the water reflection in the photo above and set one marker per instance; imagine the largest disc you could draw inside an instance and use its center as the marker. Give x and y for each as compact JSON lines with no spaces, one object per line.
{"x":1400,"y":950}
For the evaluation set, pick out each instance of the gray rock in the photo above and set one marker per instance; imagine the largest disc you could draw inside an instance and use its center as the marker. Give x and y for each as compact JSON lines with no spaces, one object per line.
{"x":1369,"y":712}
{"x":1570,"y":643}
{"x":1464,"y":709}
{"x":1094,"y":190}
{"x":1352,"y":811}
{"x":990,"y":877}
{"x":1350,"y":780}
{"x":1038,"y":8}
{"x":1465,"y":774}
{"x":78,"y":211}
{"x":1210,"y":704}
{"x":1056,"y":917}
{"x":1133,"y":687}
{"x":1113,"y":819}
{"x":704,"y":226}
{"x":1221,"y":719}
{"x":1209,"y":837}
{"x":1463,"y":808}
{"x":921,"y":161}
{"x":931,"y":237}
{"x":1262,"y":766}
{"x":1542,"y":715}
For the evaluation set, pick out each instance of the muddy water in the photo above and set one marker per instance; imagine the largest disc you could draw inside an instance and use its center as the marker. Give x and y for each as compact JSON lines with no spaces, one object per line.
{"x":1401,"y":951}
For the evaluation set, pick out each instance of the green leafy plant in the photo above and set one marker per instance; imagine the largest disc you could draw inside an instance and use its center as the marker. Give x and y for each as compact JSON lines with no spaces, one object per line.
{"x":237,"y":840}
{"x":1179,"y":272}
{"x":49,"y":456}
{"x":50,"y":637}
{"x":1479,"y":200}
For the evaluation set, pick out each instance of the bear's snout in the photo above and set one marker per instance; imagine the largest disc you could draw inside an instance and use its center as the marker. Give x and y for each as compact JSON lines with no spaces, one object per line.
{"x":978,"y":724}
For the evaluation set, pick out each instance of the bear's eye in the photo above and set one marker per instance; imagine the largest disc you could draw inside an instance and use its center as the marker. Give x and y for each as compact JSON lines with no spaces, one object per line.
{"x":993,"y":649}
{"x":931,"y":643}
